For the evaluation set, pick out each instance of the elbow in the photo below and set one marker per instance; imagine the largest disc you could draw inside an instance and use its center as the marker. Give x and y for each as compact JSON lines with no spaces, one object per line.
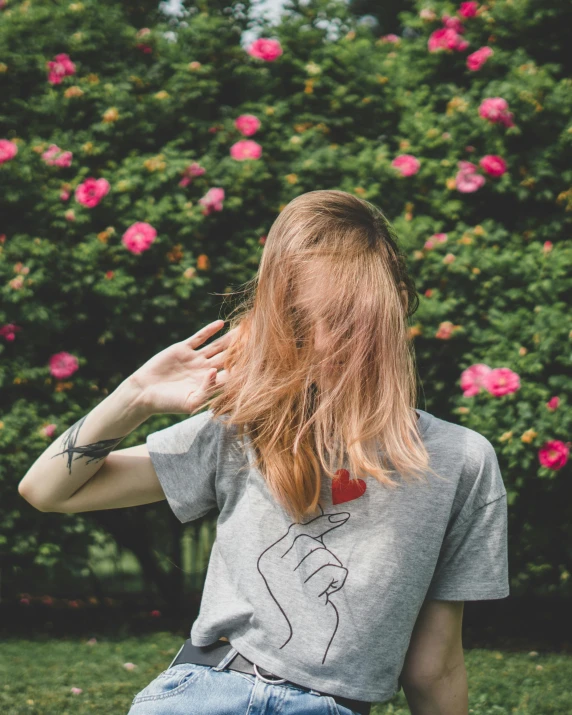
{"x":25,"y":494}
{"x":428,"y":680}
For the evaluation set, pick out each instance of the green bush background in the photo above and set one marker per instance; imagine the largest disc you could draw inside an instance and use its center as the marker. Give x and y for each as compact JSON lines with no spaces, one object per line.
{"x":336,"y":108}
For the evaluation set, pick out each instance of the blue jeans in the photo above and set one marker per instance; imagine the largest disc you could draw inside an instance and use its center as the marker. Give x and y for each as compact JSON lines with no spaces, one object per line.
{"x":191,"y":689}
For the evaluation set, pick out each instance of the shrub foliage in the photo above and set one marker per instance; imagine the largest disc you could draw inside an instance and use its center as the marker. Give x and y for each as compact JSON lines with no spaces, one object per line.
{"x":141,"y":168}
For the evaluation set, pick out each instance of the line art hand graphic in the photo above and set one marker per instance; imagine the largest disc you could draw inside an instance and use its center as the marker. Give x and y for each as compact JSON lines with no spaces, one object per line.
{"x":301,"y":574}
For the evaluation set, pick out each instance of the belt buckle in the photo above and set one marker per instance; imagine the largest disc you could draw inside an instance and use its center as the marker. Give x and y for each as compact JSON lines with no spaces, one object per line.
{"x":266,"y":680}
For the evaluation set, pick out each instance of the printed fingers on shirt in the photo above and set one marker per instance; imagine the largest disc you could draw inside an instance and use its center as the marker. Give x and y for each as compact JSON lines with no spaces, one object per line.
{"x":318,"y":526}
{"x":323,"y":571}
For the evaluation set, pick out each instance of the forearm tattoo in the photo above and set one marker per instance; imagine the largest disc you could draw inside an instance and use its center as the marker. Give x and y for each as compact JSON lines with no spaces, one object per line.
{"x":95,"y":450}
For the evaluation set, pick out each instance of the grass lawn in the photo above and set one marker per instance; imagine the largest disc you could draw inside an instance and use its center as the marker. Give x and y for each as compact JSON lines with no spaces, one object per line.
{"x":499,"y":682}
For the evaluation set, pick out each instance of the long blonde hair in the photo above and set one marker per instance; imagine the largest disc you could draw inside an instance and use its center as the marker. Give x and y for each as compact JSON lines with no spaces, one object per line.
{"x":323,"y":366}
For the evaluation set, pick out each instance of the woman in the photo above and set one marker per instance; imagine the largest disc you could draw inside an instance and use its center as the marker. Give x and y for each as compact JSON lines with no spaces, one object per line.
{"x":351,"y":526}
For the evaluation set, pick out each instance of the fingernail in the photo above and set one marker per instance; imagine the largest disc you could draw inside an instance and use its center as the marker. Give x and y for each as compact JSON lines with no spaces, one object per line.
{"x":334,"y":518}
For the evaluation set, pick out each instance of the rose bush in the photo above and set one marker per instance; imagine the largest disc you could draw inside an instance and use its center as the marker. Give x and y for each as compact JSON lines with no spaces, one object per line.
{"x":473,"y":166}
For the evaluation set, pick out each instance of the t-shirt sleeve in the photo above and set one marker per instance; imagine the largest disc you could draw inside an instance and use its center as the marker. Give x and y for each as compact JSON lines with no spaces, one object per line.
{"x":473,"y":560}
{"x":184,"y":456}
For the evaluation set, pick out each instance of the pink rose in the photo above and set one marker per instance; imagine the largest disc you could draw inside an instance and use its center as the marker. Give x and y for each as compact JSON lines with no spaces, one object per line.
{"x":467,"y":180}
{"x":478,"y":58}
{"x":91,"y":191}
{"x":16,"y":283}
{"x":493,"y":164}
{"x":61,"y":66}
{"x":245,"y":149}
{"x":51,"y":158}
{"x":190,"y":172}
{"x":9,"y":330}
{"x":495,"y":109}
{"x":501,"y":381}
{"x":212,"y":200}
{"x":196,"y":169}
{"x":265,"y":49}
{"x":473,"y":379}
{"x":435,"y":238}
{"x":466,"y":167}
{"x":69,"y":215}
{"x":8,"y":150}
{"x":454,"y":23}
{"x":468,"y":9}
{"x":139,"y":237}
{"x":63,"y":365}
{"x":445,"y":330}
{"x":393,"y":39}
{"x":547,"y":246}
{"x":49,"y":430}
{"x":50,"y":152}
{"x":143,"y":46}
{"x":64,"y":159}
{"x":247,"y":124}
{"x":406,"y":164}
{"x":446,"y":38}
{"x":553,"y":454}
{"x":553,"y":403}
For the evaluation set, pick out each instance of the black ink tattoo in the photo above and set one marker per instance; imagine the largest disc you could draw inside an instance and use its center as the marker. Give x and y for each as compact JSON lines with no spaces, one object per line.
{"x":95,"y":451}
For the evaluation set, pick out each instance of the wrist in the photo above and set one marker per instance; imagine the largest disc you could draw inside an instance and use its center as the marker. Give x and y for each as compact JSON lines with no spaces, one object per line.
{"x":132,"y":399}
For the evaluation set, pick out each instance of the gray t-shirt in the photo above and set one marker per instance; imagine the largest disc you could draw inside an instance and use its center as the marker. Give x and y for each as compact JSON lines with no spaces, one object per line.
{"x":331,"y":604}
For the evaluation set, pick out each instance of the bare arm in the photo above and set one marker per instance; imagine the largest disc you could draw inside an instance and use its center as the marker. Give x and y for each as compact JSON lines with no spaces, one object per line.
{"x":75,"y":457}
{"x":177,"y":380}
{"x":447,"y":695}
{"x":434,"y":677}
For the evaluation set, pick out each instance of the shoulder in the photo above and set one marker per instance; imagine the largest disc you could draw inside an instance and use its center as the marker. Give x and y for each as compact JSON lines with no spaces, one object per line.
{"x":464,"y":445}
{"x":472,"y":457}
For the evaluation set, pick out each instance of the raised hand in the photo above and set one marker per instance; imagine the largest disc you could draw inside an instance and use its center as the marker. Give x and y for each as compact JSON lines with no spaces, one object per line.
{"x":178,"y":379}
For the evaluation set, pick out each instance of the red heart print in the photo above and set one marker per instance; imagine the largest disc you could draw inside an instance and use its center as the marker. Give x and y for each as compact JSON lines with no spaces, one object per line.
{"x":345,"y":490}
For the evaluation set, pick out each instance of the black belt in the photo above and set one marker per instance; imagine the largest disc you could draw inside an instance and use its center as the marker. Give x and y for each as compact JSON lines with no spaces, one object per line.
{"x":212,"y":655}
